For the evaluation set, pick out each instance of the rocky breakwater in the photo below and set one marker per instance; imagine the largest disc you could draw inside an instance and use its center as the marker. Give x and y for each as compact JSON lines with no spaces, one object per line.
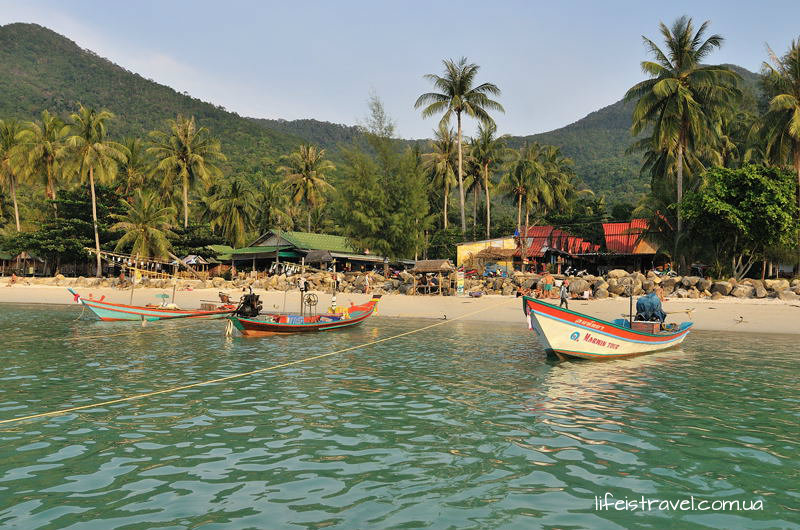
{"x":615,"y":283}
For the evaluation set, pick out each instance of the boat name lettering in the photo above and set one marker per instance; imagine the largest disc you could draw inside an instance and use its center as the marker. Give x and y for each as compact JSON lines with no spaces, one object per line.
{"x":589,"y":324}
{"x":600,"y":342}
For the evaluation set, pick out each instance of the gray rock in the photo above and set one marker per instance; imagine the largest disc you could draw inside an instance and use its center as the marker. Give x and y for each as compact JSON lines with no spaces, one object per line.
{"x":777,"y":285}
{"x":693,"y":293}
{"x":759,"y":292}
{"x":743,"y":290}
{"x":724,"y":288}
{"x":681,"y":293}
{"x":704,"y":284}
{"x":689,"y":281}
{"x":578,"y":286}
{"x":787,"y":296}
{"x":601,"y":293}
{"x":617,"y":273}
{"x":717,"y":295}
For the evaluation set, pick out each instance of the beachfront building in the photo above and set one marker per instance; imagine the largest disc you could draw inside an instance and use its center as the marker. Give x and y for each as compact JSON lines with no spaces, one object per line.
{"x":624,"y":245}
{"x":278,"y":246}
{"x":499,"y":251}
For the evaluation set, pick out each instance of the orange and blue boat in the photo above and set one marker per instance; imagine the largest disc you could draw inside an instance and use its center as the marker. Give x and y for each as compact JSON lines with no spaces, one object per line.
{"x":568,"y":333}
{"x":284,"y":323}
{"x":108,"y":311}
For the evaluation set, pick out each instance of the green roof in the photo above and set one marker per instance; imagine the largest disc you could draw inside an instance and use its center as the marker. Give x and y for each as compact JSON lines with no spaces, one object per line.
{"x":253,"y":250}
{"x":308,"y":241}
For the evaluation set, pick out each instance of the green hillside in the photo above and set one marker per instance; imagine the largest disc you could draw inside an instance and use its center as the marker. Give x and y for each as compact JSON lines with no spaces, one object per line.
{"x":40,"y":69}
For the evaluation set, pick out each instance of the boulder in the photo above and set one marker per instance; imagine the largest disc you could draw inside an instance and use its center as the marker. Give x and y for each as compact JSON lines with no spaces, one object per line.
{"x":787,"y":296}
{"x":406,"y":277}
{"x":217,"y":282}
{"x":743,"y":290}
{"x":617,"y":273}
{"x":578,"y":286}
{"x":529,"y":283}
{"x":601,"y":293}
{"x":617,"y":289}
{"x":508,"y":289}
{"x":669,"y":283}
{"x":716,"y":295}
{"x":690,"y":281}
{"x":704,"y":284}
{"x":599,"y":284}
{"x":759,"y":292}
{"x":780,"y":284}
{"x":724,"y":288}
{"x":638,"y":276}
{"x":681,"y":293}
{"x":693,"y":293}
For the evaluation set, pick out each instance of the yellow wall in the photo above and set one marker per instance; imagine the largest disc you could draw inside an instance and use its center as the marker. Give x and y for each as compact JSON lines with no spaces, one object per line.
{"x":463,"y":250}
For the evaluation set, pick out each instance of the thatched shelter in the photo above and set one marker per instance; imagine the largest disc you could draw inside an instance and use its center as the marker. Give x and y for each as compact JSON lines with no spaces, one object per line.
{"x":496,"y":253}
{"x":444,"y":266}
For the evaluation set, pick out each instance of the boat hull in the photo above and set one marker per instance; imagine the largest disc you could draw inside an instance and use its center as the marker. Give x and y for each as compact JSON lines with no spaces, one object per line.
{"x":570,"y":334}
{"x":117,"y":312}
{"x":256,"y":327}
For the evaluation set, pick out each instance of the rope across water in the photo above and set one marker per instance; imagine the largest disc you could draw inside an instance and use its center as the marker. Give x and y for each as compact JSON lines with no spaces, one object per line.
{"x":243,"y":374}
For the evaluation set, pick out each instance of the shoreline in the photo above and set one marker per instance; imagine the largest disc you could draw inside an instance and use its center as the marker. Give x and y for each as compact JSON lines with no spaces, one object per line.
{"x":771,"y":316}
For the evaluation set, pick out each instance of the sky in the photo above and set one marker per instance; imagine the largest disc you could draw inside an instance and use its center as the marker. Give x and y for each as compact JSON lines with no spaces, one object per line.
{"x":555,"y":62}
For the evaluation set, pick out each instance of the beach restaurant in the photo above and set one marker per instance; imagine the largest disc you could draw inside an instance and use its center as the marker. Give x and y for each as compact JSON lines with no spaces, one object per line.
{"x":278,"y":246}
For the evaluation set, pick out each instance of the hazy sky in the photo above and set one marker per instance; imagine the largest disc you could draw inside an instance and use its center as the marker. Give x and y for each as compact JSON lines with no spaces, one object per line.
{"x":554,"y":61}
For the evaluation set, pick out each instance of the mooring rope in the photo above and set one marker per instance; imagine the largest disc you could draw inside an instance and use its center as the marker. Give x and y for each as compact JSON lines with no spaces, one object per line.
{"x":245,"y":374}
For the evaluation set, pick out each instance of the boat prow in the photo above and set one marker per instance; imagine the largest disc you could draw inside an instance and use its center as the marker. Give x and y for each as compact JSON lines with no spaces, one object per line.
{"x":571,"y":334}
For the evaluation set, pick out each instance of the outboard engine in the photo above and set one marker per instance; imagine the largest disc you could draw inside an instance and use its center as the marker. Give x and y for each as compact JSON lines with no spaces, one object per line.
{"x":249,"y":306}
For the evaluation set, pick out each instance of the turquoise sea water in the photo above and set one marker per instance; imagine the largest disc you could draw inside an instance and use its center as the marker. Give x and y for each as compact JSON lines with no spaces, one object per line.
{"x":465,"y":425}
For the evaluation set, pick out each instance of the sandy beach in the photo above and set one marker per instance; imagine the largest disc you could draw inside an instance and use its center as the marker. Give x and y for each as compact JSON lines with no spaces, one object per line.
{"x":728,"y":314}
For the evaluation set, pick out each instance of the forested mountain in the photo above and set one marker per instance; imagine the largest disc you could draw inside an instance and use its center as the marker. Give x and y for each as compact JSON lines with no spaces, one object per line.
{"x":40,"y":69}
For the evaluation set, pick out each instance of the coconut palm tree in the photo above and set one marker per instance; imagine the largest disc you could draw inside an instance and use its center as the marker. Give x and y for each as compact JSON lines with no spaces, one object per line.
{"x":457,"y":95}
{"x":517,"y":182}
{"x":272,"y":211}
{"x":781,"y":127}
{"x":185,"y":154}
{"x":233,"y":210}
{"x":11,"y":138}
{"x":44,"y":142}
{"x":134,"y":170}
{"x":488,"y":151}
{"x":305,"y":176}
{"x":440,"y":162}
{"x":146,"y":224}
{"x":682,"y":97}
{"x":94,"y":157}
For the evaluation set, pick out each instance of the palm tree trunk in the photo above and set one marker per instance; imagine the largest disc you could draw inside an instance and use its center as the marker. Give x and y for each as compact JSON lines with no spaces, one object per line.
{"x":488,"y":202}
{"x":461,"y":180}
{"x":185,"y":203}
{"x":13,"y":180}
{"x":680,"y":198}
{"x":519,"y":214}
{"x":94,"y":221}
{"x":446,"y":193}
{"x":474,"y":211}
{"x":309,"y":221}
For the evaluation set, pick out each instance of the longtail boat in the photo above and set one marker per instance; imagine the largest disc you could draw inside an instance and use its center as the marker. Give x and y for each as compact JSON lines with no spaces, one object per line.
{"x":568,"y":333}
{"x":281,"y":323}
{"x":111,"y":312}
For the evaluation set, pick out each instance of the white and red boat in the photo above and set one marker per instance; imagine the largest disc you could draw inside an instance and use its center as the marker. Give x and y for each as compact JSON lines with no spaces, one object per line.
{"x":570,"y":334}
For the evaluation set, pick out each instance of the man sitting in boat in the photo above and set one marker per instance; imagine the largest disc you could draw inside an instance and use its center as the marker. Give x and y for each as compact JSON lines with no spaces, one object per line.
{"x":648,"y":307}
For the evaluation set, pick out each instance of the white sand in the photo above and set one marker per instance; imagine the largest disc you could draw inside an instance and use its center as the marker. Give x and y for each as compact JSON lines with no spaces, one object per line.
{"x":727,"y":314}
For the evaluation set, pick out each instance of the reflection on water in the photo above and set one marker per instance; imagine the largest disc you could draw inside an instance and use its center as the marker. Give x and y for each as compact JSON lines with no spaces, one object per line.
{"x":463,"y":425}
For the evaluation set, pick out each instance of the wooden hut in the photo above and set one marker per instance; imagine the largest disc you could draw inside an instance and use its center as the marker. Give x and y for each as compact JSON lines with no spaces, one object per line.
{"x":441,"y":268}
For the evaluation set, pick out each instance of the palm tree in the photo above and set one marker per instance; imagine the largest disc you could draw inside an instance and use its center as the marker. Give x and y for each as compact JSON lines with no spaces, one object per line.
{"x":146,"y":225}
{"x":233,"y":209}
{"x":781,"y":128}
{"x":273,"y":202}
{"x":134,"y":170}
{"x":11,"y":138}
{"x":488,"y":151}
{"x":44,"y":149}
{"x":682,"y":97}
{"x":517,"y":181}
{"x":439,"y":164}
{"x":305,"y":176}
{"x":95,"y":156}
{"x":186,"y":154}
{"x":458,"y":94}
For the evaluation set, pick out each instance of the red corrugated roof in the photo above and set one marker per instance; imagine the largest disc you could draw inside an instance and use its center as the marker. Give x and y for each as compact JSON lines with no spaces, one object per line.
{"x":621,"y":238}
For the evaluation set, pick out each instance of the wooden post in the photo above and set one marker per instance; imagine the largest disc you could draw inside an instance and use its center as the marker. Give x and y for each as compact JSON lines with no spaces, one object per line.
{"x":440,"y":284}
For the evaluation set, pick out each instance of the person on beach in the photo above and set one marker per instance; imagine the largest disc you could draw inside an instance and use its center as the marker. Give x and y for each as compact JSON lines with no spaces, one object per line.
{"x":366,"y":283}
{"x":564,"y":295}
{"x":13,"y":279}
{"x":549,"y":283}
